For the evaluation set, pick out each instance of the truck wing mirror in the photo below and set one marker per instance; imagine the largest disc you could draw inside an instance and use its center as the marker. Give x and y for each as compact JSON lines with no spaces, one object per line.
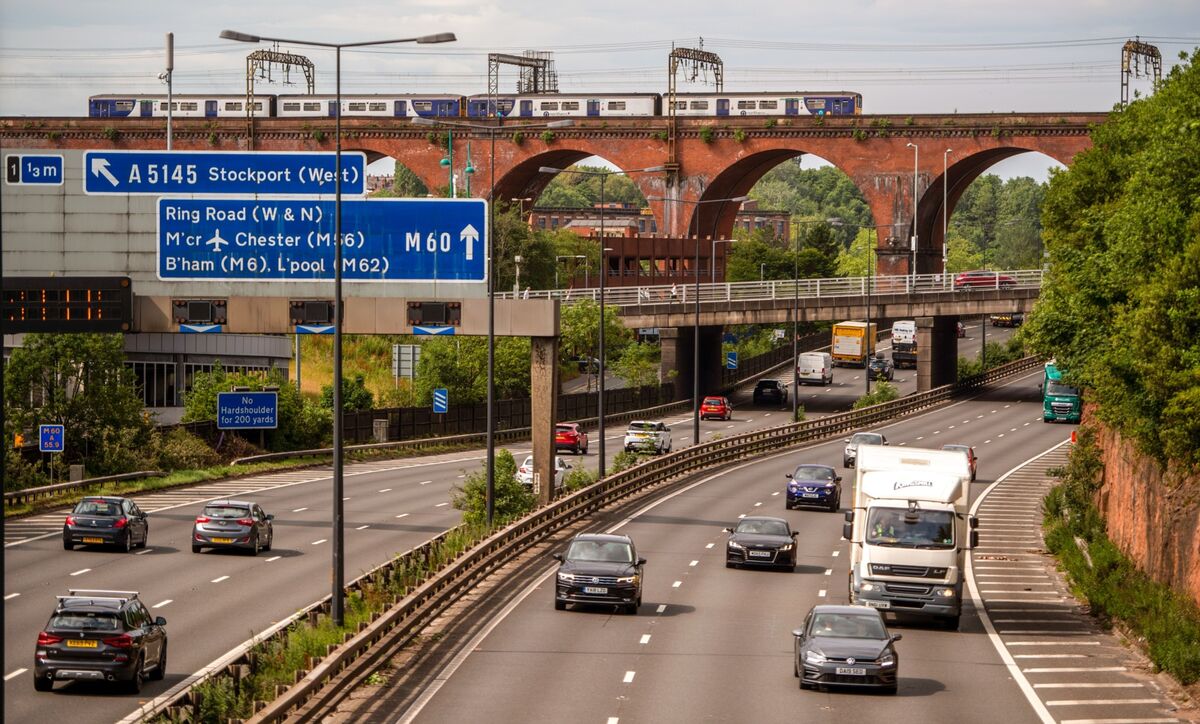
{"x":974,"y":539}
{"x":973,"y":521}
{"x":849,"y":516}
{"x":847,"y":531}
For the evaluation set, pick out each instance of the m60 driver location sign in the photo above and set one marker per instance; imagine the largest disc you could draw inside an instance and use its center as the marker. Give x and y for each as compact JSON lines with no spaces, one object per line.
{"x":292,"y":239}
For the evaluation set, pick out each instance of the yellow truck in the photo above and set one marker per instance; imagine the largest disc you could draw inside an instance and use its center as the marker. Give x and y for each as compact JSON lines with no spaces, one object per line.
{"x":853,"y":344}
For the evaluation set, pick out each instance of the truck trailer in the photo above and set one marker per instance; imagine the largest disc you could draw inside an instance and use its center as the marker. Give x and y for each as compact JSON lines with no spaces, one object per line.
{"x":904,"y":344}
{"x":853,"y":344}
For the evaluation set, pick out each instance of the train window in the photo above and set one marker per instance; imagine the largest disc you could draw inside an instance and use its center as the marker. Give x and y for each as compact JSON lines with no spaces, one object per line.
{"x":313,"y":106}
{"x":377,"y":107}
{"x":616,"y":105}
{"x":123,"y":105}
{"x":357,"y":107}
{"x":771,"y":105}
{"x":549,"y":106}
{"x":189,"y":106}
{"x":257,"y":105}
{"x":570,"y":105}
{"x":699,"y":105}
{"x":290,"y":106}
{"x":745,"y":105}
{"x":682,"y":105}
{"x":162,"y":106}
{"x":419,"y":106}
{"x":233,"y":106}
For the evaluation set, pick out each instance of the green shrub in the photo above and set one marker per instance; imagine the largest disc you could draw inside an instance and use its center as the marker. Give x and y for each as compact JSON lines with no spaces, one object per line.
{"x":511,"y":499}
{"x":547,"y":137}
{"x":518,"y":137}
{"x":800,"y":415}
{"x":884,"y":392}
{"x":661,"y":136}
{"x":859,"y":134}
{"x":111,"y":133}
{"x":318,"y":135}
{"x":706,"y":134}
{"x":771,"y":123}
{"x":181,"y":450}
{"x":739,"y":135}
{"x":625,"y":459}
{"x":578,"y":479}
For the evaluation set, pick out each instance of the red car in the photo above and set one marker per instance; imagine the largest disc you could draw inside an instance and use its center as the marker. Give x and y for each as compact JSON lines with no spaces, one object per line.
{"x":718,"y":407}
{"x":969,"y":451}
{"x":570,"y":436}
{"x":983,"y":279}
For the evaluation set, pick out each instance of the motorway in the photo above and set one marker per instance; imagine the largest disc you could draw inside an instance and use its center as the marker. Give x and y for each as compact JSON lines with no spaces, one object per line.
{"x":216,"y":600}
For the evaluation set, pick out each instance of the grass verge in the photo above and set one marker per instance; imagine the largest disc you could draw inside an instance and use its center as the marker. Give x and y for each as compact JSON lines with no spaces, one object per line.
{"x":1166,"y":622}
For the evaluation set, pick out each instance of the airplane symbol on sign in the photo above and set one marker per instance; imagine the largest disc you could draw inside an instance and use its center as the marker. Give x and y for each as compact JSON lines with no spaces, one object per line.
{"x":216,"y":241}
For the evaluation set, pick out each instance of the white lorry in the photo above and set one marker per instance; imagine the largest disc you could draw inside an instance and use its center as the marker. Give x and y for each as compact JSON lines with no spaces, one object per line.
{"x":904,"y":344}
{"x":910,"y":530}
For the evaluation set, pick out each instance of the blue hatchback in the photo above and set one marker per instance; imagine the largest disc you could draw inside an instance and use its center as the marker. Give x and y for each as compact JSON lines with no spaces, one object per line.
{"x":818,"y":485}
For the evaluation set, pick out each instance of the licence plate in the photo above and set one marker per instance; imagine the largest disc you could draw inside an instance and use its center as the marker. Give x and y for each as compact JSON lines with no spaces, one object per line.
{"x":93,"y":540}
{"x":598,"y":590}
{"x":878,"y":604}
{"x":760,"y":554}
{"x":222,"y":540}
{"x":81,"y":644}
{"x":809,"y":495}
{"x":850,"y":671}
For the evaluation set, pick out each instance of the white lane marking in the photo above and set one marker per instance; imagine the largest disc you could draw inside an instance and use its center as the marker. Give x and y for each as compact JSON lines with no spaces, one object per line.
{"x":645,"y":639}
{"x":836,"y":554}
{"x":676,"y":584}
{"x":386,"y":490}
{"x":1075,"y":685}
{"x":319,"y":542}
{"x":15,"y":674}
{"x":440,"y":505}
{"x":1025,"y":425}
{"x":11,"y":596}
{"x":613,"y":720}
{"x":985,"y":442}
{"x":160,"y":604}
{"x":628,"y":677}
{"x":950,"y":428}
{"x":1050,"y":656}
{"x":775,"y":493}
{"x":922,"y":437}
{"x":348,"y":497}
{"x":661,"y":607}
{"x":756,"y":505}
{"x":1100,"y":702}
{"x":144,"y":551}
{"x":81,"y":571}
{"x":402,"y":515}
{"x":694,"y":563}
{"x":1014,"y":429}
{"x":1005,"y":407}
{"x":743,"y":515}
{"x":218,"y":580}
{"x":363,"y":527}
{"x":828,"y":571}
{"x":460,"y":477}
{"x":427,"y":482}
{"x":937,"y":432}
{"x":767,"y":415}
{"x":710,"y":545}
{"x":821,"y":593}
{"x":1072,"y":669}
{"x":1000,"y":435}
{"x":273,"y":558}
{"x":1053,"y":643}
{"x":299,"y":510}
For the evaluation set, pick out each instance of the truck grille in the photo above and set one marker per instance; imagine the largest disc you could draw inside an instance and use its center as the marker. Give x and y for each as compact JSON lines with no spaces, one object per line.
{"x":907,"y":588}
{"x":908,"y":571}
{"x":1061,"y":408}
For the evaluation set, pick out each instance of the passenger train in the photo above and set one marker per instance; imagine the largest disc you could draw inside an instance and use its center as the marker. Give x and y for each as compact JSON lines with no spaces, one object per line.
{"x":549,"y":105}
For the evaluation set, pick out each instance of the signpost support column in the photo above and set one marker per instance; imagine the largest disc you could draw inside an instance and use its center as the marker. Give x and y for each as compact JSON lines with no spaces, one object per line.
{"x":543,"y":385}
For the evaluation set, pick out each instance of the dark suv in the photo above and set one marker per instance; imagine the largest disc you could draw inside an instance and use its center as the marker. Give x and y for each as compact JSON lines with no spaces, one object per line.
{"x":100,"y":636}
{"x":602,"y":569}
{"x":770,"y":391}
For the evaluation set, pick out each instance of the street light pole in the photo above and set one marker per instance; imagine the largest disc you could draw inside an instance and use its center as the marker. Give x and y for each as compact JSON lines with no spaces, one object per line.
{"x":713,"y":259}
{"x":945,"y":211}
{"x":916,"y":155}
{"x":337,"y":600}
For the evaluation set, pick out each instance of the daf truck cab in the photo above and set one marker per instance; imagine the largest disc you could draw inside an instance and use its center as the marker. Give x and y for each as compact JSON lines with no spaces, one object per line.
{"x":904,"y":343}
{"x":910,"y":531}
{"x":1060,"y":401}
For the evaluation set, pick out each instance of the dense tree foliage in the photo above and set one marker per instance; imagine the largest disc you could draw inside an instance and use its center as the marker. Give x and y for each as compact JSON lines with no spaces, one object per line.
{"x":405,"y":184}
{"x":814,"y":193}
{"x":460,"y":365}
{"x":1121,"y":306}
{"x":578,"y":191}
{"x":759,"y":256}
{"x":303,"y":423}
{"x":579,"y":325}
{"x":1001,"y":221}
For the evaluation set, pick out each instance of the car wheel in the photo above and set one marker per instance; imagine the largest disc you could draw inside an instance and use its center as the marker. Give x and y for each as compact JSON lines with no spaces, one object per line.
{"x":145,"y":538}
{"x":195,"y":548}
{"x":951,"y":622}
{"x":845,"y":462}
{"x":127,"y":543}
{"x":257,"y":546}
{"x":631,"y":609}
{"x":835,"y":504}
{"x":68,"y":545}
{"x":270,"y":539}
{"x":160,"y":671}
{"x":43,"y":683}
{"x":890,"y":690}
{"x":560,"y":605}
{"x":730,"y":564}
{"x":139,"y":677}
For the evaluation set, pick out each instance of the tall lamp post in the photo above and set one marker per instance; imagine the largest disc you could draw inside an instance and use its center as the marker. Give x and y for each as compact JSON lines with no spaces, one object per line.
{"x":945,"y":213}
{"x":603,"y":273}
{"x":696,"y":324}
{"x":832,"y":221}
{"x":874,"y":228}
{"x":712,"y":259}
{"x":492,"y":132}
{"x":916,"y":155}
{"x":337,"y":603}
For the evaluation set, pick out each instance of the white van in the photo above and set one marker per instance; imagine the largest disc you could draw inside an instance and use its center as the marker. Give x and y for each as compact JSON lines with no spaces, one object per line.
{"x":815,"y":368}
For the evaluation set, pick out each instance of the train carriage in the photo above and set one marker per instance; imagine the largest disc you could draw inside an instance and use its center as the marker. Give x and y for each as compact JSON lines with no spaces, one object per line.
{"x":796,"y":103}
{"x":564,"y":105}
{"x":379,"y":105}
{"x":184,"y":106}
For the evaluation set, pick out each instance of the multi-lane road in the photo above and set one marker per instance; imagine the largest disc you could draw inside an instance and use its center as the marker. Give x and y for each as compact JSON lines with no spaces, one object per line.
{"x":214,"y":601}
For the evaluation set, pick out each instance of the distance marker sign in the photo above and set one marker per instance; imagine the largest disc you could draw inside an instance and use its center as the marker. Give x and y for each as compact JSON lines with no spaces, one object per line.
{"x":293,"y":239}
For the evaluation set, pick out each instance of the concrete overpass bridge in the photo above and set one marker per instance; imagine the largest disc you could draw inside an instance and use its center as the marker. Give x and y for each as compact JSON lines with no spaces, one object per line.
{"x":715,"y":157}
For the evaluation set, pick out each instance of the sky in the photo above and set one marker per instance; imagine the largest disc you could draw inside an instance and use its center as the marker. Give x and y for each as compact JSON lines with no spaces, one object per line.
{"x":904,"y":56}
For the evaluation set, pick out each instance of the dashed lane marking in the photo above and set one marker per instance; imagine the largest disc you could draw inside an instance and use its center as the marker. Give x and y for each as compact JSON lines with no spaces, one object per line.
{"x":15,"y":674}
{"x":218,"y":580}
{"x":273,"y":558}
{"x":160,"y":604}
{"x":318,"y":542}
{"x":645,"y":639}
{"x":11,"y":596}
{"x":628,"y":677}
{"x":81,"y":571}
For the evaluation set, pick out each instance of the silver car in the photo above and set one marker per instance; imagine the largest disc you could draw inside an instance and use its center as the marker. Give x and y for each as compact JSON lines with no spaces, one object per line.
{"x":233,"y":524}
{"x":860,"y":438}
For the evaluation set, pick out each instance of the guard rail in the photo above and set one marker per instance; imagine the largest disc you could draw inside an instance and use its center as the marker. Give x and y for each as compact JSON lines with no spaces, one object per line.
{"x":334,"y":676}
{"x":17,"y":497}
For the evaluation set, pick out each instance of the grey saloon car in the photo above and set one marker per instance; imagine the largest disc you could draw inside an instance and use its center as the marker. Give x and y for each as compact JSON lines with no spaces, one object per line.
{"x":236,"y":524}
{"x":845,"y":646}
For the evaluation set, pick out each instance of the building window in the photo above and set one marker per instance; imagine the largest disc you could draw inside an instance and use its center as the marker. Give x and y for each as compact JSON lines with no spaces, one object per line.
{"x":553,"y":222}
{"x":155,"y":382}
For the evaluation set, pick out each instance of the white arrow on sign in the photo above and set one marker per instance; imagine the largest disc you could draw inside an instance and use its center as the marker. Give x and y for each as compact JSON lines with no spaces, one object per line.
{"x":470,"y":235}
{"x":100,"y":168}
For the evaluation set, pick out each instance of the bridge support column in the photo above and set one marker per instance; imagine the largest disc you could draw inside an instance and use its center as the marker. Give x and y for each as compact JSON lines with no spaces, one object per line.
{"x":937,"y":352}
{"x":711,"y":360}
{"x":543,"y":388}
{"x":678,"y":352}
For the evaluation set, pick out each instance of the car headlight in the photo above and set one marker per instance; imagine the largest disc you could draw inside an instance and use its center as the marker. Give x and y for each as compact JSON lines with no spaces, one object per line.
{"x":628,"y":579}
{"x":868,"y":586}
{"x":888,"y":659}
{"x":737,"y":546}
{"x":783,"y":549}
{"x":566,"y":577}
{"x":814,"y":657}
{"x":944,"y":593}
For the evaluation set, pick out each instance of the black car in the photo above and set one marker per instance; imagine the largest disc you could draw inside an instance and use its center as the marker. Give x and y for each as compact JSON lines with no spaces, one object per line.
{"x":100,"y":636}
{"x":1008,"y":319}
{"x":233,"y":524}
{"x":881,"y":367}
{"x":761,"y":541}
{"x":770,"y":391}
{"x":845,"y":646}
{"x":814,"y":485}
{"x":600,"y":569}
{"x":106,"y":520}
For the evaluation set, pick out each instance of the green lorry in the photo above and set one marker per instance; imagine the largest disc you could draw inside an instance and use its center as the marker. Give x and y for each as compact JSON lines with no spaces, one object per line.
{"x":1060,"y":401}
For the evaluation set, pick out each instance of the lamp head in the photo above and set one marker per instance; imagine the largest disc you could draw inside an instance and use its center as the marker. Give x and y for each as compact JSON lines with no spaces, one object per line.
{"x":740,"y":199}
{"x":240,"y":37}
{"x":436,"y":38}
{"x":654,"y":169}
{"x":910,"y":144}
{"x":444,"y":162}
{"x":423,"y":121}
{"x":560,"y":124}
{"x":549,"y":169}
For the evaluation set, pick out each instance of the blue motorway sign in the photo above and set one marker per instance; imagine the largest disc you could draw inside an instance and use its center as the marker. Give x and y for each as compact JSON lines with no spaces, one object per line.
{"x":293,"y":239}
{"x":33,"y":169}
{"x":247,"y":410}
{"x":221,"y":172}
{"x":441,"y":400}
{"x":731,"y":360}
{"x":50,"y":438}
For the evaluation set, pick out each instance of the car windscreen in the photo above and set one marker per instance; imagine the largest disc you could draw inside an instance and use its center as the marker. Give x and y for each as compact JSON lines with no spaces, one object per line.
{"x":762,"y":527}
{"x":564,"y":428}
{"x":85,"y":621}
{"x":1058,"y":388}
{"x":848,"y":626}
{"x":101,"y":508}
{"x":226,"y":511}
{"x":642,"y":427}
{"x":713,"y":401}
{"x":596,"y":550}
{"x":866,"y":438}
{"x":813,"y":472}
{"x":894,"y":527}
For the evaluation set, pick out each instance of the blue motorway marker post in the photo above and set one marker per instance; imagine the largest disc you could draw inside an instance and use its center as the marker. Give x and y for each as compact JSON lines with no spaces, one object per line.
{"x":50,"y":438}
{"x":731,"y":360}
{"x":33,"y":170}
{"x":247,"y":410}
{"x":221,"y":172}
{"x":441,"y":400}
{"x":293,"y":239}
